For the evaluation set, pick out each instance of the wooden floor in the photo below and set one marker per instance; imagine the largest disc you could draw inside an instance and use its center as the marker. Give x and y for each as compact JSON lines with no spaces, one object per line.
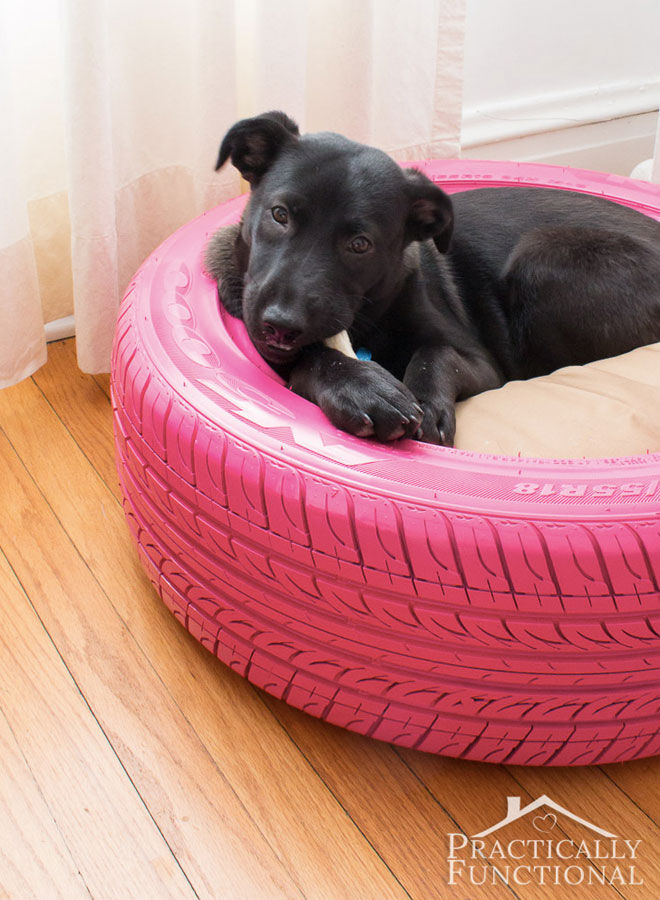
{"x":134,"y":764}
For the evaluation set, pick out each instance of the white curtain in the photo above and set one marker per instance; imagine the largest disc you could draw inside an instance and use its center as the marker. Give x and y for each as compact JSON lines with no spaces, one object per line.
{"x":113,"y":110}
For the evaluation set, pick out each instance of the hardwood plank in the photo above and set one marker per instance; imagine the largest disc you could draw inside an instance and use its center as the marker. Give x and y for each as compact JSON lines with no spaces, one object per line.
{"x":34,"y":859}
{"x":639,"y":780}
{"x":102,"y":379}
{"x":179,"y":782}
{"x":95,"y":807}
{"x":103,"y":382}
{"x":327,"y":856}
{"x":83,"y":407}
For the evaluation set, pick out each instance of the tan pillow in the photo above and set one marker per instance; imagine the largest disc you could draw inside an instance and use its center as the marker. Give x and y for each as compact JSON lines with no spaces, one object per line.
{"x":606,"y":408}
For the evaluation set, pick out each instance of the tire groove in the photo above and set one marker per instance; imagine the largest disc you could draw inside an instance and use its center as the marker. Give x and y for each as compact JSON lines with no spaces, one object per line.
{"x":402,"y":704}
{"x":431,"y":643}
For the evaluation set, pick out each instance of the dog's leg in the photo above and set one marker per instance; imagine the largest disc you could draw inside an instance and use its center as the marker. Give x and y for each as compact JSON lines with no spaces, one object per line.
{"x":438,"y":376}
{"x":357,"y":396}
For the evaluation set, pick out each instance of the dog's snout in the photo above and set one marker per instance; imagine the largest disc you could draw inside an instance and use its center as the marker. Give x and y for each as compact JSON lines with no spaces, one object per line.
{"x":280,"y":327}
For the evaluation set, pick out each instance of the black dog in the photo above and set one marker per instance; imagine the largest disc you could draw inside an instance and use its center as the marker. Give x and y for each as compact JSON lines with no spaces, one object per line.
{"x":451,"y":297}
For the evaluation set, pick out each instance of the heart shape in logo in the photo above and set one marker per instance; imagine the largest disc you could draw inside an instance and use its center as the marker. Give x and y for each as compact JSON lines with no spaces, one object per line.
{"x":545,"y":823}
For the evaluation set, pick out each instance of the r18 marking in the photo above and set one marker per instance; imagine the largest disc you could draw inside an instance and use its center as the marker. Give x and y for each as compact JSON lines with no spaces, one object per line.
{"x":559,"y":489}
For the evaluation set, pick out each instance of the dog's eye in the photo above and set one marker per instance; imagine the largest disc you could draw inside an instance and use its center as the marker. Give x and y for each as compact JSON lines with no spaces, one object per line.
{"x":359,"y":244}
{"x":280,"y":214}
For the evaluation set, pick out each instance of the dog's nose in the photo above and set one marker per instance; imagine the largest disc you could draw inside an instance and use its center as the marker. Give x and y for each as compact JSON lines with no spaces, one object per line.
{"x":275,"y":335}
{"x":280,"y":330}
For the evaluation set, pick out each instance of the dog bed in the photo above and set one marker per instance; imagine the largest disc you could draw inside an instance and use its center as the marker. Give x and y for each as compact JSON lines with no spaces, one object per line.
{"x":500,"y":608}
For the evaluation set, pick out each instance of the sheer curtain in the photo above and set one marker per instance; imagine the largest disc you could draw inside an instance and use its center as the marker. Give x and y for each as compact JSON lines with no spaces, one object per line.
{"x":113,"y":110}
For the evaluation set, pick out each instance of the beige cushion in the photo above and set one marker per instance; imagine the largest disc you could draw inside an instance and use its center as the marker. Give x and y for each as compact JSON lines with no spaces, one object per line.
{"x":606,"y":408}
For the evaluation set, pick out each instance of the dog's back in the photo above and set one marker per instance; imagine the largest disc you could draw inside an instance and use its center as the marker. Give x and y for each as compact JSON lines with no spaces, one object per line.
{"x":554,"y":278}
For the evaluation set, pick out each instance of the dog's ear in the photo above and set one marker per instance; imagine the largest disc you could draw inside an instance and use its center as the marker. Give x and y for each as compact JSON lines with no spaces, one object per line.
{"x":253,"y":144}
{"x":430,"y":212}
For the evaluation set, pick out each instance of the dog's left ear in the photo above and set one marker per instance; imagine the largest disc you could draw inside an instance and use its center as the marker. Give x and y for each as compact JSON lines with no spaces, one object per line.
{"x":430,"y":212}
{"x":253,"y":144}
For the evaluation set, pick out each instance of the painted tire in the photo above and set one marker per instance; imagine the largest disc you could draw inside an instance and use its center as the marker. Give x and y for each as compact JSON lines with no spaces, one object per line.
{"x":492,"y":608}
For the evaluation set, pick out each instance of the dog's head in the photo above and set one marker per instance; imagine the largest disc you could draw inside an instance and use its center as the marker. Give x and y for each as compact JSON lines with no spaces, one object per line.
{"x":325,"y":230}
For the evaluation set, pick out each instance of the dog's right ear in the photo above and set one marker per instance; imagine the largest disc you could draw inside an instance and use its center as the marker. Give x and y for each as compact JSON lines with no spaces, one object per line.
{"x":431,"y":214}
{"x":253,"y":144}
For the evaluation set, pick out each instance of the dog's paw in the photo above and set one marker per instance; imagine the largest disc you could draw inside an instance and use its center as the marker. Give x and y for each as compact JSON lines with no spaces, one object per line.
{"x":369,"y":401}
{"x":438,"y":424}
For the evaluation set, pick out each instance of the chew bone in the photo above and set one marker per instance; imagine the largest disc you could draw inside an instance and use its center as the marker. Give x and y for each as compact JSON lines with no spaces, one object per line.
{"x":341,"y":342}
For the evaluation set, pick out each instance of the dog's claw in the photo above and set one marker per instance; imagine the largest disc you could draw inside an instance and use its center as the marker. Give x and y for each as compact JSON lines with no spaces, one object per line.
{"x":367,"y":429}
{"x":399,"y":433}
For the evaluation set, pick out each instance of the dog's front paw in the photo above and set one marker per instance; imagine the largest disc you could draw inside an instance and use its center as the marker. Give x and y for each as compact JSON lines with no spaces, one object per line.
{"x":438,"y":424}
{"x":367,"y":400}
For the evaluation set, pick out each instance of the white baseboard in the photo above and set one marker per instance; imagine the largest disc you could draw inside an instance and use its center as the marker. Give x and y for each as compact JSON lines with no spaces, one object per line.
{"x":615,"y":145}
{"x":60,"y":329}
{"x":506,"y":120}
{"x":609,"y":128}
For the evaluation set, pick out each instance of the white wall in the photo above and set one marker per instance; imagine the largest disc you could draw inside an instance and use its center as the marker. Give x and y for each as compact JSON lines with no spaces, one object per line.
{"x":562,"y":80}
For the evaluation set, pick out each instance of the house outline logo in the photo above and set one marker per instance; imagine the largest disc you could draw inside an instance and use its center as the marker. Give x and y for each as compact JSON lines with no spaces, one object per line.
{"x":554,"y":857}
{"x":515,"y":811}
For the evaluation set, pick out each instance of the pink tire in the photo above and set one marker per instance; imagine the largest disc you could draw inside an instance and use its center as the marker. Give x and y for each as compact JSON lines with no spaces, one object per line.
{"x":492,"y":608}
